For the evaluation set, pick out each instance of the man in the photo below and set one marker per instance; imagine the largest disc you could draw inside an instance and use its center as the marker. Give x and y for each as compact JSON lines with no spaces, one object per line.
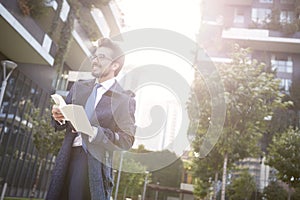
{"x":83,"y":166}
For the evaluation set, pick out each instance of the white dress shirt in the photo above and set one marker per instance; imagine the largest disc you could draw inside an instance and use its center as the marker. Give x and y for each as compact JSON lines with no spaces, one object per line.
{"x":100,"y":91}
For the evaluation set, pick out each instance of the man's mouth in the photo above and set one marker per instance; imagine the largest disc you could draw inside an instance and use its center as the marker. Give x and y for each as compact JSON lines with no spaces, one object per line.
{"x":95,"y":67}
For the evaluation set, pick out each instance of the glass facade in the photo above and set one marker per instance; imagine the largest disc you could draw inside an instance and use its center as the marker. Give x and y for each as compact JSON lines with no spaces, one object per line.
{"x":284,"y":69}
{"x":19,"y":159}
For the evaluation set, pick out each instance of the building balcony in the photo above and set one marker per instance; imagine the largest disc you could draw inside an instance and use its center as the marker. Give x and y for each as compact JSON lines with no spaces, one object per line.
{"x":105,"y":19}
{"x":262,"y":39}
{"x":25,"y":40}
{"x":238,"y":2}
{"x":22,"y":40}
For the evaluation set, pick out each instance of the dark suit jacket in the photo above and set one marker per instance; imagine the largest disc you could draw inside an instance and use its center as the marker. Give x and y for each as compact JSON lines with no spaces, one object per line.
{"x":114,"y":118}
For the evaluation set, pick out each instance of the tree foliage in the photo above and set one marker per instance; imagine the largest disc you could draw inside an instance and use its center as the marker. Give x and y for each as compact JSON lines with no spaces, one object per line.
{"x":45,"y":138}
{"x":295,"y":98}
{"x":251,"y":94}
{"x":274,"y":191}
{"x":242,"y":187}
{"x":34,"y":8}
{"x":167,"y":175}
{"x":139,"y":161}
{"x":131,"y":184}
{"x":284,"y":156}
{"x":207,"y":171}
{"x":65,"y":34}
{"x":296,"y":194}
{"x":201,"y":189}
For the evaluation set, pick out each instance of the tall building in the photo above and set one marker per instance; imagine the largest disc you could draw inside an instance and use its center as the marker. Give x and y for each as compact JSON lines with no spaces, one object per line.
{"x":271,"y":28}
{"x":26,"y":39}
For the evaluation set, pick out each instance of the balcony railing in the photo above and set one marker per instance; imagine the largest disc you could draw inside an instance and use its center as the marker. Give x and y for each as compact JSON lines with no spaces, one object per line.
{"x":239,"y":2}
{"x":26,"y":34}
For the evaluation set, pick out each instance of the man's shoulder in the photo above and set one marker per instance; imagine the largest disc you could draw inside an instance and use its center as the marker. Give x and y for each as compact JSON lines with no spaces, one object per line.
{"x":129,"y":93}
{"x":83,"y":82}
{"x":118,"y":89}
{"x":119,"y":94}
{"x":86,"y":81}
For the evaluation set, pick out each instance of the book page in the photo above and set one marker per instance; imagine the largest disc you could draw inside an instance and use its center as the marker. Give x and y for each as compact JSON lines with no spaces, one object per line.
{"x":75,"y":114}
{"x":58,"y":100}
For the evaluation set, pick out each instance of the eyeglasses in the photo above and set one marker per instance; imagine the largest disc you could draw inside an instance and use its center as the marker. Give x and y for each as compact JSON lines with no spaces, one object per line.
{"x":100,"y":57}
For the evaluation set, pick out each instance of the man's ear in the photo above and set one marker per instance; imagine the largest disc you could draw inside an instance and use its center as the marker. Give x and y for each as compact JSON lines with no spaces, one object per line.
{"x":115,"y":66}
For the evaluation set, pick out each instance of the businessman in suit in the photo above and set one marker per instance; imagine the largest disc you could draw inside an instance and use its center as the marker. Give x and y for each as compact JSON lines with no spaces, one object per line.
{"x":83,"y":167}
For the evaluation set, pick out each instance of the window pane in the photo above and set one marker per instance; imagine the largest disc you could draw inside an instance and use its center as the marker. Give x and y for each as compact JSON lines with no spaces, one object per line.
{"x":284,"y":66}
{"x":266,"y":1}
{"x":287,"y":1}
{"x":286,"y":16}
{"x":259,"y":15}
{"x":238,"y":16}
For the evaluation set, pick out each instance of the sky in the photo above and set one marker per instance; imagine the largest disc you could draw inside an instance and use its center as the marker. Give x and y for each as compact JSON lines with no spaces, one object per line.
{"x":181,"y":16}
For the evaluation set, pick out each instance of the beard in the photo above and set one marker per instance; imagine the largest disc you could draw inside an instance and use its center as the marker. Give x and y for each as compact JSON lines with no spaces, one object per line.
{"x":96,"y":74}
{"x":102,"y":72}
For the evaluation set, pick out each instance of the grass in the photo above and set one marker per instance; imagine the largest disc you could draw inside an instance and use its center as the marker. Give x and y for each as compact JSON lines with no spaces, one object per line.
{"x":16,"y":198}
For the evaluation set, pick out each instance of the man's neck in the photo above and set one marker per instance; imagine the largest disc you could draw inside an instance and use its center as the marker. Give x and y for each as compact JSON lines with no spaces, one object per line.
{"x":102,"y":79}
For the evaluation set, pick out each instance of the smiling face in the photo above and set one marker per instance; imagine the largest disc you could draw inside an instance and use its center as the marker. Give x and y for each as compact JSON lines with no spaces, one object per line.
{"x":103,"y":66}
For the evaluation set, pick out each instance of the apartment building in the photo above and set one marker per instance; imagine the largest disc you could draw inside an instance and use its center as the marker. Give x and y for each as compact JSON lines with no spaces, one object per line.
{"x":25,"y":41}
{"x":271,"y":28}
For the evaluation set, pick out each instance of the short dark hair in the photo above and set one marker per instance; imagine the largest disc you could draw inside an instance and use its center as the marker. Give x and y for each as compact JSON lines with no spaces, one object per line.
{"x":118,"y":55}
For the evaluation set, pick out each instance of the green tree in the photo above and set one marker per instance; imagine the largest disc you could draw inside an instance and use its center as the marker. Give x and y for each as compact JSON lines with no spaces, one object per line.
{"x":45,"y":138}
{"x":296,"y":194}
{"x":169,"y":176}
{"x":131,"y":184}
{"x":65,"y":33}
{"x":274,"y":191}
{"x":34,"y":8}
{"x":295,"y":98}
{"x":201,"y":189}
{"x":64,"y":37}
{"x":250,"y":94}
{"x":242,"y":187}
{"x":207,"y":170}
{"x":284,"y":156}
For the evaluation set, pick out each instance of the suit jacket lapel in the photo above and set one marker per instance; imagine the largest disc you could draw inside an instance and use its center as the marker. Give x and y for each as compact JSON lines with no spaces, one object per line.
{"x":108,"y":103}
{"x":82,"y":92}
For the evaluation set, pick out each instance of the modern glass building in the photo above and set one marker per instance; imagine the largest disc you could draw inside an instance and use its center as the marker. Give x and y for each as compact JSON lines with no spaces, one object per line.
{"x":270,"y":28}
{"x":26,"y":39}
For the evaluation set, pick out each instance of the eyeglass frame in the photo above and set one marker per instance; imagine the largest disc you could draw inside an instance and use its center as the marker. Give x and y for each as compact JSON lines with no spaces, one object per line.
{"x":101,"y":56}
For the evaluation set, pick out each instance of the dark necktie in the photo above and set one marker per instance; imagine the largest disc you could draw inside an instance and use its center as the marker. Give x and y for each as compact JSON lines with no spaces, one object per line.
{"x":90,"y":103}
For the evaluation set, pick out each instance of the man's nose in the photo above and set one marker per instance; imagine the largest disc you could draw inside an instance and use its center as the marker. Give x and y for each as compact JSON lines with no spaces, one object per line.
{"x":94,"y":61}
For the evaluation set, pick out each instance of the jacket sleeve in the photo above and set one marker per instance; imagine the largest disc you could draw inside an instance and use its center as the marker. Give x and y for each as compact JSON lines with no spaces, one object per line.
{"x":122,"y":137}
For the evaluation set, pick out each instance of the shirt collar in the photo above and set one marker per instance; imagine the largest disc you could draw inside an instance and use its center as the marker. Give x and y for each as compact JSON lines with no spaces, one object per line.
{"x":107,"y":84}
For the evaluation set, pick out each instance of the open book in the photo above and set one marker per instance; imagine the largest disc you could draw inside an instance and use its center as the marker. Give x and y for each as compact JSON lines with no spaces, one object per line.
{"x":75,"y":114}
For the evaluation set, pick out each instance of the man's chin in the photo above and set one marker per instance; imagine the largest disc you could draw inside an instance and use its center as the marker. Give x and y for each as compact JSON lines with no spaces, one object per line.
{"x":96,"y":75}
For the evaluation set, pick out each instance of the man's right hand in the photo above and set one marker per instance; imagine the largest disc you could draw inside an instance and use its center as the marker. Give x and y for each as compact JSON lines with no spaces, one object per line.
{"x":56,"y":114}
